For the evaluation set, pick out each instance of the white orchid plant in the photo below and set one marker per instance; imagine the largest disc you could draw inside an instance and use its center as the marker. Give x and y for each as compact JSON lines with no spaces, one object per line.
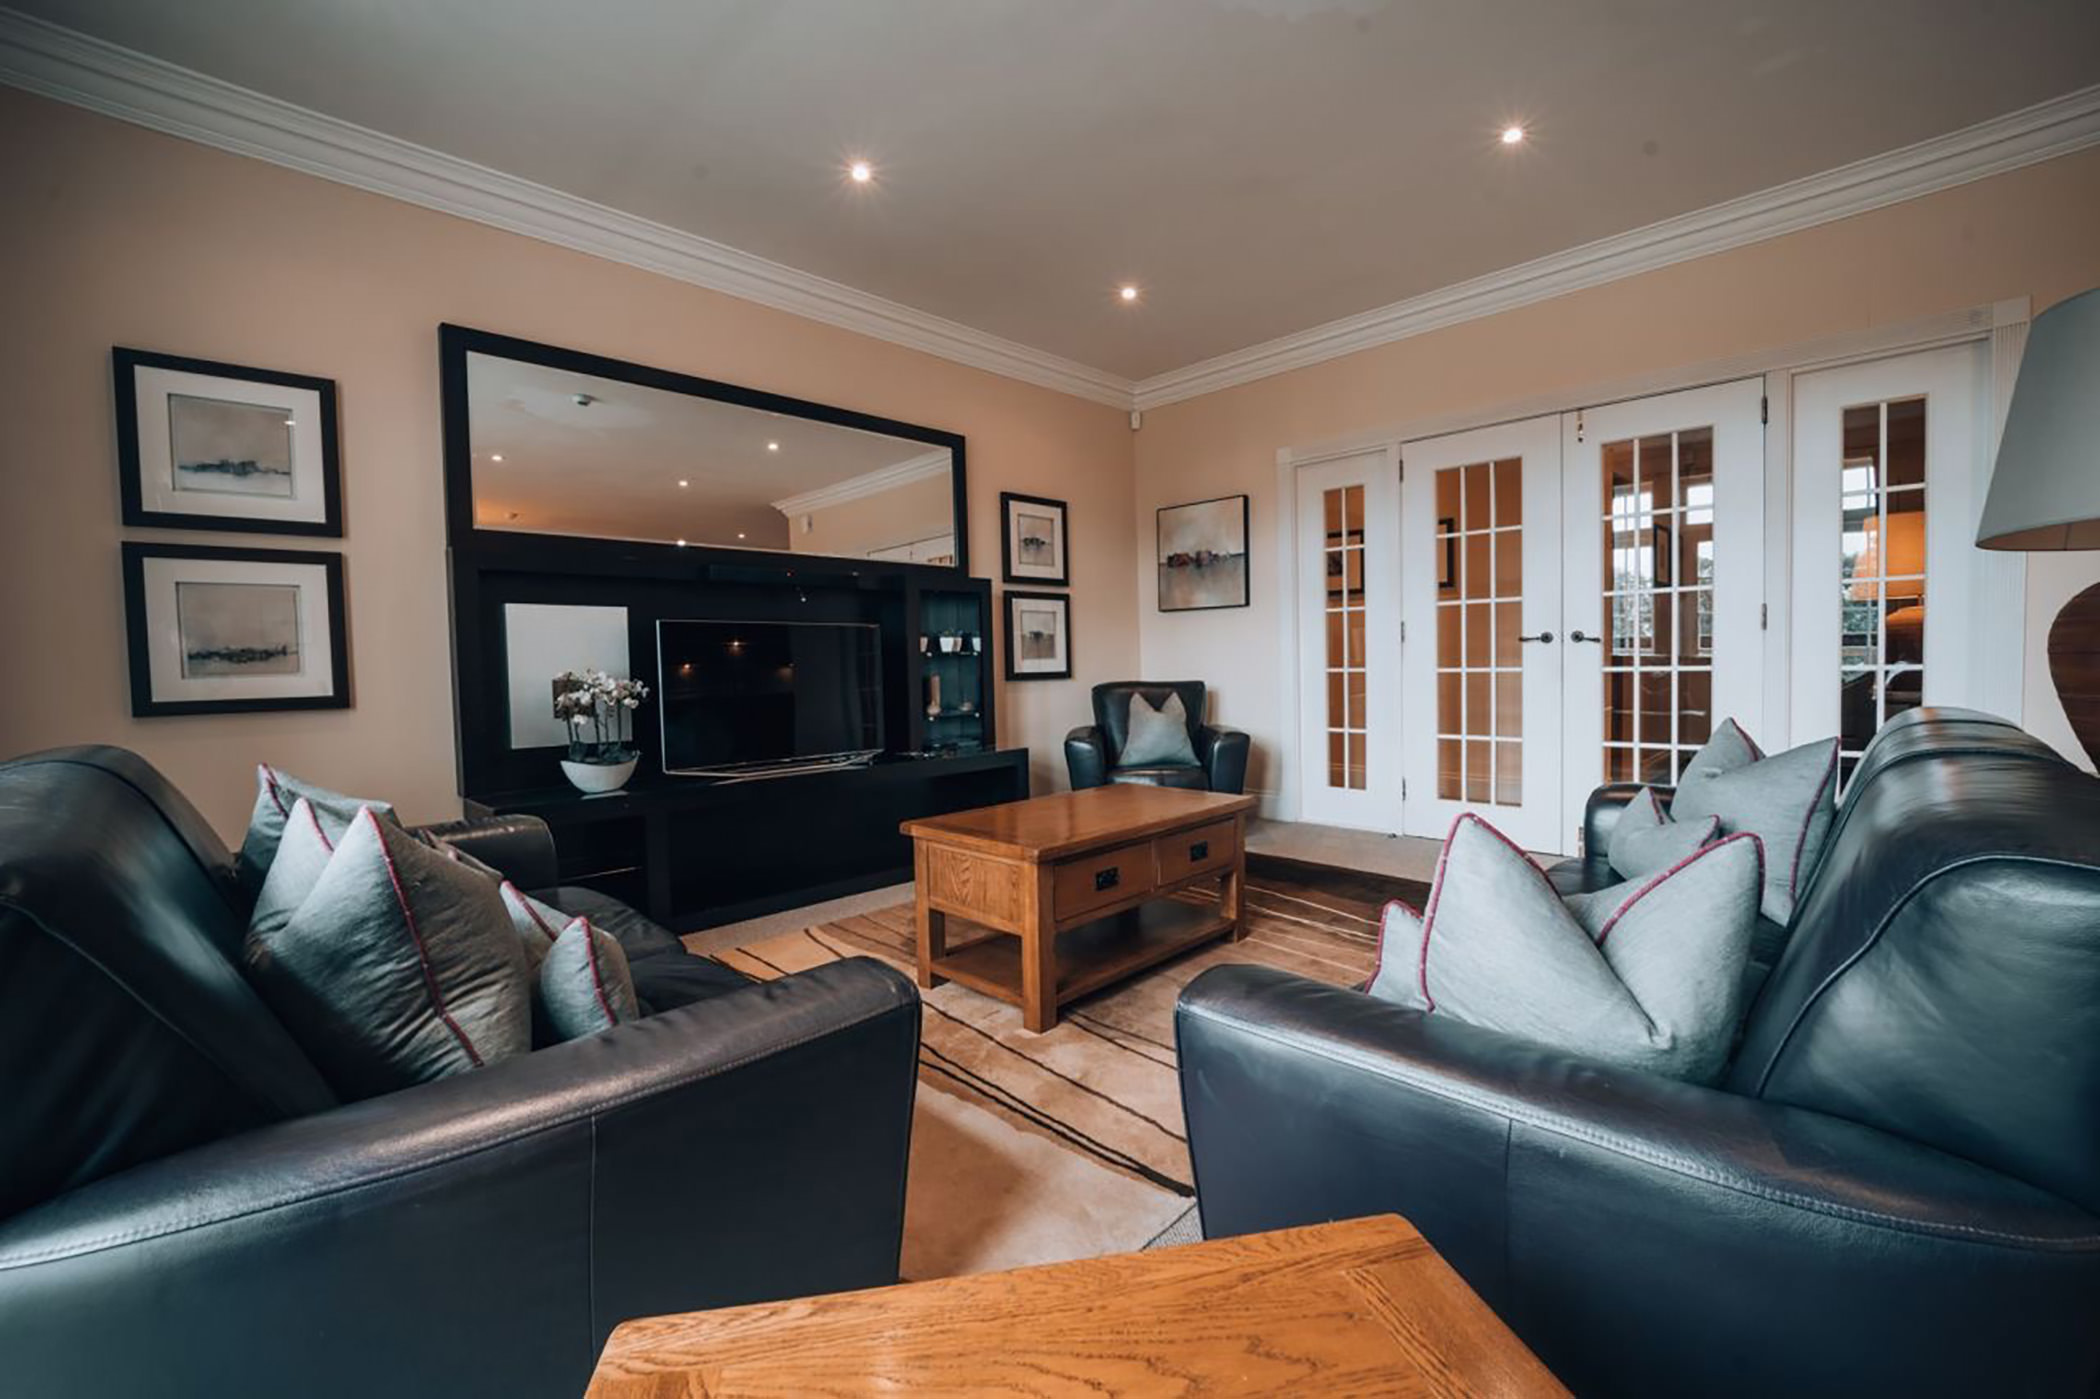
{"x":598,"y":709}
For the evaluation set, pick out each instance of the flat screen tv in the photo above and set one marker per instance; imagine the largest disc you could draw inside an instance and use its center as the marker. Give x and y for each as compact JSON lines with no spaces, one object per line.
{"x":743,"y":697}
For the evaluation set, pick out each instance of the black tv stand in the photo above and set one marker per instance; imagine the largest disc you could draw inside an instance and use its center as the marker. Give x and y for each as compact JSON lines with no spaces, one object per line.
{"x":697,"y":852}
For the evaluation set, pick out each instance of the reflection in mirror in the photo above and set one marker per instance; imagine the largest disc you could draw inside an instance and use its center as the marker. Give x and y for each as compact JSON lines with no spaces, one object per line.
{"x":560,"y":452}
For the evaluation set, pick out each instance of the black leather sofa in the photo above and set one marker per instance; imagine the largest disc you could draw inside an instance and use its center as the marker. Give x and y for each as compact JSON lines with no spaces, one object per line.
{"x":1896,"y":1189}
{"x":186,"y":1207}
{"x":1092,"y":752}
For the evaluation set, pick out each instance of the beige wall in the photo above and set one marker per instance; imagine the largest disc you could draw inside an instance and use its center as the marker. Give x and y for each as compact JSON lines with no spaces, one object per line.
{"x":2035,"y":232}
{"x":118,"y":236}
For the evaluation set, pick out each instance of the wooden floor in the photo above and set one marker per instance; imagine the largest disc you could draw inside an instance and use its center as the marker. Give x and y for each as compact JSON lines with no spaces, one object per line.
{"x":1360,"y":1307}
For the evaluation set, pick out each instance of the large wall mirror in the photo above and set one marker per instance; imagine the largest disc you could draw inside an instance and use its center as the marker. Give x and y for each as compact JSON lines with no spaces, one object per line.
{"x":545,"y":441}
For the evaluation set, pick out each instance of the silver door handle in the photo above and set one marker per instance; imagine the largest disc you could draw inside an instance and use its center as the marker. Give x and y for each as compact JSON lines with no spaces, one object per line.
{"x":1545,"y":636}
{"x":1579,"y":635}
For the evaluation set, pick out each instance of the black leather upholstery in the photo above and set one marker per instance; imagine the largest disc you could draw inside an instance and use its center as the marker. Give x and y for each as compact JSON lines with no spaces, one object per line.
{"x":184,"y":1210}
{"x":1897,"y":1189}
{"x":522,"y":847}
{"x":1091,"y":751}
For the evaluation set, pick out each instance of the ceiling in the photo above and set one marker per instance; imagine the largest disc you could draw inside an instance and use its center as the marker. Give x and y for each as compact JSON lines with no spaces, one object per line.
{"x":1257,"y":167}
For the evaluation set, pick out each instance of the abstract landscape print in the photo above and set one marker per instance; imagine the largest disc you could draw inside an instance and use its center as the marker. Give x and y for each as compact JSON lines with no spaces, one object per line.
{"x":1038,"y":636}
{"x":1203,"y":554}
{"x":238,"y":629}
{"x":225,"y":448}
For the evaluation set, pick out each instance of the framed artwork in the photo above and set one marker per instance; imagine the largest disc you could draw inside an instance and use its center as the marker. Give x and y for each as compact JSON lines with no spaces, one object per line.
{"x":203,"y":445}
{"x":1203,"y":554}
{"x":234,"y":631}
{"x":1033,"y":540}
{"x":1038,"y":636}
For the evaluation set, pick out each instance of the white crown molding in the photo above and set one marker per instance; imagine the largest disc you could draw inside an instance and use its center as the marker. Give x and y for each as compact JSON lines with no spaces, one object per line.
{"x":63,"y":64}
{"x":71,"y":67}
{"x":885,"y":478}
{"x":2057,"y":127}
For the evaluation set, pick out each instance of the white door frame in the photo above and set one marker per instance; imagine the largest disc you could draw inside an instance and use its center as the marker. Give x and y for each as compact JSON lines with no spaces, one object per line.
{"x":1376,"y":806}
{"x":2004,"y":324}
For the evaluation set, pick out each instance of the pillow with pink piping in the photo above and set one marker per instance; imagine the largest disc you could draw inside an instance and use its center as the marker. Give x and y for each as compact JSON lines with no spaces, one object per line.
{"x":395,"y":966}
{"x":1647,"y":974}
{"x":1788,"y":800}
{"x":581,"y":983}
{"x":1646,"y":839}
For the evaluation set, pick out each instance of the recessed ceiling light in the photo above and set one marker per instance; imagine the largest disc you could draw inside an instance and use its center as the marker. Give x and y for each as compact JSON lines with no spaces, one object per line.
{"x":495,"y":456}
{"x":1512,"y":135}
{"x":740,"y":534}
{"x":860,"y":172}
{"x":683,"y":484}
{"x":681,"y":543}
{"x":772,"y":446}
{"x":1127,"y":292}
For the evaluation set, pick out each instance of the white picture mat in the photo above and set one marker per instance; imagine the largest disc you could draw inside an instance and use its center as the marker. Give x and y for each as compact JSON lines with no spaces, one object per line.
{"x":1015,"y":509}
{"x":540,"y":641}
{"x":157,"y":489}
{"x":164,"y":633}
{"x":1061,"y":659}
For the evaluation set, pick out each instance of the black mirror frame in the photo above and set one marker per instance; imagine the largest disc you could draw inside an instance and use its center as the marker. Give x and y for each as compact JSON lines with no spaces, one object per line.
{"x":455,"y":343}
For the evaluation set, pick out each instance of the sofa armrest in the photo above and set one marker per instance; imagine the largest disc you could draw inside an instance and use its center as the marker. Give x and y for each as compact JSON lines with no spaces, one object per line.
{"x":1223,"y":753}
{"x":1642,"y":1235}
{"x":484,"y":1233}
{"x":520,"y":846}
{"x":1087,"y":757}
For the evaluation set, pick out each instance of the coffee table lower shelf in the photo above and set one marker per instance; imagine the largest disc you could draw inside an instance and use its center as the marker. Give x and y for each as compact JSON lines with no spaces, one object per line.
{"x":1090,"y":956}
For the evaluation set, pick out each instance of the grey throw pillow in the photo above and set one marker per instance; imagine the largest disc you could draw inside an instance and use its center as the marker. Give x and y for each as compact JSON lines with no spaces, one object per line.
{"x":399,"y":965}
{"x":1787,"y":800}
{"x":1647,"y":974}
{"x":275,"y":795}
{"x":584,"y":984}
{"x":1647,"y":839}
{"x":1157,"y":737}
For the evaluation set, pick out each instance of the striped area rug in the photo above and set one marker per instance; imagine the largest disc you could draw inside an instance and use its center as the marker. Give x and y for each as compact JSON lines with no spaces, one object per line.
{"x":1041,"y":1148}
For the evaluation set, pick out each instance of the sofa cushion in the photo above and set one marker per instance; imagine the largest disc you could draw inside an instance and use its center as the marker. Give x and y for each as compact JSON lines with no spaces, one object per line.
{"x":275,"y":794}
{"x":1647,"y":839}
{"x":1646,"y":974}
{"x":666,"y":976}
{"x":400,"y":966}
{"x":584,"y":986}
{"x":1787,"y":800}
{"x":1158,"y":736}
{"x":1163,"y":775}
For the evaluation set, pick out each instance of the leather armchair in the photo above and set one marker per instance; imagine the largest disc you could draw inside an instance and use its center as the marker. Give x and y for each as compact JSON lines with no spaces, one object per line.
{"x":1091,"y":751}
{"x":187,"y":1208}
{"x":1896,"y":1187}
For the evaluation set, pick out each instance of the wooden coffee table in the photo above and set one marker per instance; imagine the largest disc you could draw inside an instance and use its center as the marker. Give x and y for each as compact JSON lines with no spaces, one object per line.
{"x":1074,"y":889}
{"x":1361,"y":1307}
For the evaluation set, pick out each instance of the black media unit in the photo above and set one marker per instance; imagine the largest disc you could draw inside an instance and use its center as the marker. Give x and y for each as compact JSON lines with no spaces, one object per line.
{"x":696,"y":852}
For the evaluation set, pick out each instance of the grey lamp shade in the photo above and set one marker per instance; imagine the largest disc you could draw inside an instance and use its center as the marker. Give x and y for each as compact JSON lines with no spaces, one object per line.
{"x":2045,"y":489}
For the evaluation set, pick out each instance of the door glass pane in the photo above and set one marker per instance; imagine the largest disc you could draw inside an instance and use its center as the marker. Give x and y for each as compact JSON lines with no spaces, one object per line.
{"x":1348,"y":698}
{"x":1658,"y":523}
{"x":1480,"y":577}
{"x":1881,"y":562}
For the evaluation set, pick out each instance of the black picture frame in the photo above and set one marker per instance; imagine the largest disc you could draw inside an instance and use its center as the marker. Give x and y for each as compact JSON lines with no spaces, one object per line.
{"x":124,"y":366}
{"x":1063,"y":578}
{"x":1246,"y":598}
{"x":1008,"y":600}
{"x":138,"y":636}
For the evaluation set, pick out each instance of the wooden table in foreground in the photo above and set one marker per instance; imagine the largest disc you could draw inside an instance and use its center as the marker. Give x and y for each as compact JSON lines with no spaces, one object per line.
{"x":1081,"y":881}
{"x":1361,"y":1307}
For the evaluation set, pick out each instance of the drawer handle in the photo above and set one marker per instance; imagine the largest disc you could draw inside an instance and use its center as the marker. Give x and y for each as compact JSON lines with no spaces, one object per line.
{"x":1199,"y":850}
{"x":1105,"y":880}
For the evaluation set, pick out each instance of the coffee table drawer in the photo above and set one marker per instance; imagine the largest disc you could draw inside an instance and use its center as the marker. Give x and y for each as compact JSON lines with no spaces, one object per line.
{"x":1095,"y":881}
{"x":1198,"y":851}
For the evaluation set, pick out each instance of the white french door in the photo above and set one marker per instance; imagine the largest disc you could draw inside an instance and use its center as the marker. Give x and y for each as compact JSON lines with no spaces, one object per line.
{"x":1664,"y":584}
{"x":1481,"y":568}
{"x":1348,"y":593}
{"x":1889,"y":457}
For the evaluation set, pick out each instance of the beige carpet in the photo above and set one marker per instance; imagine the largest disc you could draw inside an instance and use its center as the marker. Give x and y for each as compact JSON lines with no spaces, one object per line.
{"x":1041,"y":1148}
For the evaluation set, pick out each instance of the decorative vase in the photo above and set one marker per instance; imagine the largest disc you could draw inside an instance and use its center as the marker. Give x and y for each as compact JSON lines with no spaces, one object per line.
{"x":595,"y":779}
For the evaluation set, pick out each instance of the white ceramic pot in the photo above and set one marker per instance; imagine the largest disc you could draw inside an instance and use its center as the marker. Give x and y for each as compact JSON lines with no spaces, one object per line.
{"x":594,"y":778}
